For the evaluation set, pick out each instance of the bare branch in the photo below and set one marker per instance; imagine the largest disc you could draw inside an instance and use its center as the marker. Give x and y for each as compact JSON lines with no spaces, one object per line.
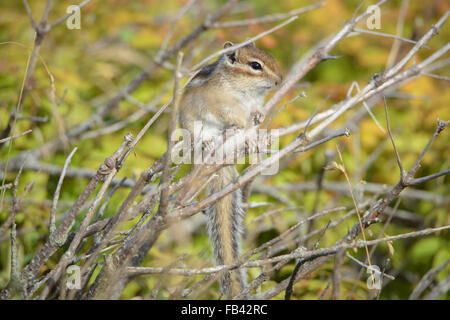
{"x":397,"y":156}
{"x":170,"y":143}
{"x":30,"y":15}
{"x":381,"y":34}
{"x":303,"y":94}
{"x":400,"y":25}
{"x":366,"y":266}
{"x":432,"y":32}
{"x":172,"y":28}
{"x":57,"y":191}
{"x":435,"y":76}
{"x":314,"y":144}
{"x":319,"y":54}
{"x":59,"y":236}
{"x":14,"y":137}
{"x":440,"y":289}
{"x":327,"y":252}
{"x":266,"y":19}
{"x":417,"y":181}
{"x":336,"y":275}
{"x":426,"y":280}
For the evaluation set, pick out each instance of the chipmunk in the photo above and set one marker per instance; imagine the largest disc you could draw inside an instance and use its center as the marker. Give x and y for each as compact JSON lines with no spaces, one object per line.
{"x":225,"y":94}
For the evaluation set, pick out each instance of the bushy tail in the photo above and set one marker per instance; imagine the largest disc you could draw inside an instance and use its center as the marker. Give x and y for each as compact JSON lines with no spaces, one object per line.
{"x":225,"y":222}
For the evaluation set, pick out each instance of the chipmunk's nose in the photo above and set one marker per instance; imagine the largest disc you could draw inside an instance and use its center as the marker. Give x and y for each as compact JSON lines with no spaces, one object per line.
{"x":279,"y":80}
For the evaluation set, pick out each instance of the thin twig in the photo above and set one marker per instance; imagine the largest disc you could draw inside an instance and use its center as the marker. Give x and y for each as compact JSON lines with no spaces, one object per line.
{"x":381,"y":34}
{"x":170,"y":143}
{"x":397,"y":156}
{"x":30,"y":15}
{"x":314,"y":144}
{"x":14,"y":137}
{"x":266,"y":19}
{"x":52,"y":227}
{"x":427,"y":279}
{"x":303,"y":94}
{"x":366,"y":266}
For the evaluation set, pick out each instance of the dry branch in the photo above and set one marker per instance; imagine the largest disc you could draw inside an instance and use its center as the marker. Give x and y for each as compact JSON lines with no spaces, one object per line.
{"x":118,"y":254}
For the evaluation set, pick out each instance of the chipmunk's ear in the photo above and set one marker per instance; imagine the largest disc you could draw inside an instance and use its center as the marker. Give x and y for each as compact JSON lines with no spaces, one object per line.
{"x":228,"y":44}
{"x":231,"y":56}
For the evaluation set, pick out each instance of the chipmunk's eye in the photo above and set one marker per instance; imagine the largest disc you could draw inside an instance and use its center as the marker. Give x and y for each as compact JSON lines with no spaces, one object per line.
{"x":255,"y":65}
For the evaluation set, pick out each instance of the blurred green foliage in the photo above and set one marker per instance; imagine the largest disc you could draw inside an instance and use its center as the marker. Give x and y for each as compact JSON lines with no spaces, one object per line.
{"x":120,"y":37}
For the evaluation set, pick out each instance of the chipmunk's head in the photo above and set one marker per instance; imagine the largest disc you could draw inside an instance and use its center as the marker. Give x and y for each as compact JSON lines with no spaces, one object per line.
{"x":252,"y":68}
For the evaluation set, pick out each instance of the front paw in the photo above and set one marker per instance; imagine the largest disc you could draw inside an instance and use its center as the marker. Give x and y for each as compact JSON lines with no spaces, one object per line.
{"x":257,"y":117}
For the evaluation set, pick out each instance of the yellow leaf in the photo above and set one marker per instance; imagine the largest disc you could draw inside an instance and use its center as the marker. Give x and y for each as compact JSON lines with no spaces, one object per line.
{"x":390,"y":246}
